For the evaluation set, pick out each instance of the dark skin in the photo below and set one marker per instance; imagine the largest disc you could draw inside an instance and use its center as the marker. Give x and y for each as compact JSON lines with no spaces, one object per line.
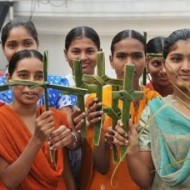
{"x":20,"y":38}
{"x":93,"y":116}
{"x":137,"y":160}
{"x":159,"y":79}
{"x":126,"y":51}
{"x":68,"y":177}
{"x":76,"y":119}
{"x":42,"y":127}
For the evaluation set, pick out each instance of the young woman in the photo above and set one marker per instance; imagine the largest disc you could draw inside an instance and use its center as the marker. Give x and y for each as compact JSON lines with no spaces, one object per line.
{"x":81,"y":43}
{"x":155,"y":67}
{"x":159,"y":159}
{"x":30,"y":134}
{"x":127,"y":47}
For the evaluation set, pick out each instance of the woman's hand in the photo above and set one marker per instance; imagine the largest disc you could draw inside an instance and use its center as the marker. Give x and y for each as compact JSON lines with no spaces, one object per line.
{"x":44,"y":126}
{"x":94,"y":112}
{"x":120,"y":135}
{"x":116,"y":136}
{"x":109,"y":136}
{"x":60,"y":137}
{"x":130,"y":139}
{"x":78,"y":118}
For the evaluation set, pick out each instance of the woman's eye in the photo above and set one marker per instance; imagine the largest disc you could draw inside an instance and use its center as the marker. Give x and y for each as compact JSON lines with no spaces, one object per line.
{"x":28,"y":44}
{"x":176,"y":58}
{"x":90,"y":51}
{"x":11,"y":46}
{"x":156,"y":63}
{"x":137,"y":56}
{"x":23,"y":76}
{"x":39,"y":77}
{"x":120,"y":56}
{"x":75,"y":52}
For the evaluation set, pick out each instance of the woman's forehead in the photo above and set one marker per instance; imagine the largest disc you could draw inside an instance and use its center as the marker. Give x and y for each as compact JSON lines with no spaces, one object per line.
{"x":130,"y":43}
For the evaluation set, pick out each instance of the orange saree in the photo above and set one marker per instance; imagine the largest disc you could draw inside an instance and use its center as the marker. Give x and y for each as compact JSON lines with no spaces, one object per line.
{"x":121,"y":178}
{"x":14,"y":135}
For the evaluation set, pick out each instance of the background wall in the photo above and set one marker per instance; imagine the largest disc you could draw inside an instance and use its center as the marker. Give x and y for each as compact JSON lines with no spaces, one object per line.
{"x":54,"y":18}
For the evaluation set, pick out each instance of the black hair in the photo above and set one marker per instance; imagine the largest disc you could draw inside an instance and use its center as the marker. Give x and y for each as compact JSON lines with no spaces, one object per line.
{"x":155,"y":45}
{"x":22,"y":55}
{"x":27,"y":24}
{"x":181,"y":34}
{"x":127,"y":34}
{"x":82,"y":31}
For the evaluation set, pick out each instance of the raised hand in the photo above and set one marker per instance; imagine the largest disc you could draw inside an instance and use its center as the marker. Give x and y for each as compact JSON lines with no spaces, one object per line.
{"x":78,"y":118}
{"x":109,"y":136}
{"x":94,"y":112}
{"x":60,"y":137}
{"x":122,"y":138}
{"x":44,"y":126}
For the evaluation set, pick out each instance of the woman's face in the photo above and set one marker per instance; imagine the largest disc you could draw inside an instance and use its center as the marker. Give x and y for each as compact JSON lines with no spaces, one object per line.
{"x":178,"y":64}
{"x":85,"y":50}
{"x":30,"y":69}
{"x":155,"y":66}
{"x":128,"y":51}
{"x":18,"y":39}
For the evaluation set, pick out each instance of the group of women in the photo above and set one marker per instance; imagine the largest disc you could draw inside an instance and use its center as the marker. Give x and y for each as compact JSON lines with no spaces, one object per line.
{"x":158,"y":139}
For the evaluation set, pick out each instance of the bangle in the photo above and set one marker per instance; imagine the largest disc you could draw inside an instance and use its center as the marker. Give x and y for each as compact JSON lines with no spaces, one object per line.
{"x":75,"y":140}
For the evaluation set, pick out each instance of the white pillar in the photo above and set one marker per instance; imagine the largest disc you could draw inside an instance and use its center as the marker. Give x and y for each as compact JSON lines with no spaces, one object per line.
{"x":11,"y":10}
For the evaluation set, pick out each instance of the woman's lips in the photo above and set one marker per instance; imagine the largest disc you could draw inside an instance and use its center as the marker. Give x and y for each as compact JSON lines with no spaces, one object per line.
{"x":30,"y":94}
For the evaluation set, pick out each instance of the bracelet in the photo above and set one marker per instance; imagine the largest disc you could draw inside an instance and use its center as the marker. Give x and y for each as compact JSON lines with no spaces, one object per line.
{"x":75,"y":140}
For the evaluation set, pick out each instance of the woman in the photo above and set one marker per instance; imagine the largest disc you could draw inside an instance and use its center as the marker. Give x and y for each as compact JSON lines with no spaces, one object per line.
{"x":155,"y":67}
{"x":25,"y":136}
{"x":128,"y":46}
{"x":159,"y":159}
{"x":81,"y":43}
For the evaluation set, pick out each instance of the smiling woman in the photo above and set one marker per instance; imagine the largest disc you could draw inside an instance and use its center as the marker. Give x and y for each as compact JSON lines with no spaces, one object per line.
{"x":29,"y":129}
{"x":82,"y":43}
{"x":29,"y":68}
{"x":18,"y":35}
{"x":155,"y":66}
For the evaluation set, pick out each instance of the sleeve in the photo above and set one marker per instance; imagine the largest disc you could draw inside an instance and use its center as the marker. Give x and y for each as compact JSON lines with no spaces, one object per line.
{"x":67,"y":100}
{"x":143,"y":130}
{"x":56,"y":98}
{"x":5,"y":96}
{"x":70,"y":99}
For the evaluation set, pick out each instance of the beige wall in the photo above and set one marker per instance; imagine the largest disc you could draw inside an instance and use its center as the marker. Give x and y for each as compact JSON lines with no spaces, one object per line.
{"x":107,"y":17}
